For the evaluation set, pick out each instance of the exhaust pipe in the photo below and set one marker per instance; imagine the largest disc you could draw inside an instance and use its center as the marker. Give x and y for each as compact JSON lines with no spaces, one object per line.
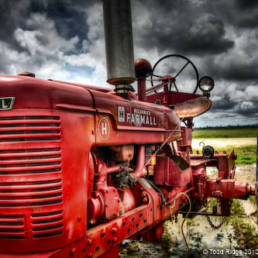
{"x":119,"y":44}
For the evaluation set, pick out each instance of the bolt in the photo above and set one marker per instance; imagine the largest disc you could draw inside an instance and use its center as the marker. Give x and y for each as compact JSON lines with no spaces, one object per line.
{"x":218,"y":180}
{"x":114,"y":240}
{"x":72,"y":252}
{"x":89,"y":242}
{"x":143,"y":194}
{"x":114,"y":231}
{"x":92,"y":221}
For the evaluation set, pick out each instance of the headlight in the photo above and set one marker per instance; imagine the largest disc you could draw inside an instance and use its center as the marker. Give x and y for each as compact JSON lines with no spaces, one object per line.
{"x":206,"y":84}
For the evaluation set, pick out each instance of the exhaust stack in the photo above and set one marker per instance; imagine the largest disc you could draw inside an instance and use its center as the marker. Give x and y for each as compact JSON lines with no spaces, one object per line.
{"x":119,"y":44}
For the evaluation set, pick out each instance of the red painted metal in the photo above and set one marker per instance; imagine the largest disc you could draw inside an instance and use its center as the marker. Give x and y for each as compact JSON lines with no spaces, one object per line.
{"x":141,"y":86}
{"x":228,"y":189}
{"x":140,"y":165}
{"x":171,"y":170}
{"x":128,"y":200}
{"x":82,"y":169}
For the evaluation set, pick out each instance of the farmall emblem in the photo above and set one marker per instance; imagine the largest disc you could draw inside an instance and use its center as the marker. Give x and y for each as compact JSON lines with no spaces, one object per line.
{"x":136,"y":117}
{"x":6,"y":103}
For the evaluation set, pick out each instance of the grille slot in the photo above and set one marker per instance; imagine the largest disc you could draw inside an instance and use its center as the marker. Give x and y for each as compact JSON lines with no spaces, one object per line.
{"x":28,"y":161}
{"x":47,"y":224}
{"x":31,"y":193}
{"x":29,"y":128}
{"x":12,"y":226}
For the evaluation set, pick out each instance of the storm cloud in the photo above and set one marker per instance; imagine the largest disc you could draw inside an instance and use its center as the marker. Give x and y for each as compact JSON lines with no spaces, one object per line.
{"x":64,"y":40}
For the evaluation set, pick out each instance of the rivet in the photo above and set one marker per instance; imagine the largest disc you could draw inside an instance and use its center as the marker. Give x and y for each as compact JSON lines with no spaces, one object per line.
{"x":114,"y":240}
{"x":72,"y":252}
{"x":114,"y":230}
{"x":89,"y":242}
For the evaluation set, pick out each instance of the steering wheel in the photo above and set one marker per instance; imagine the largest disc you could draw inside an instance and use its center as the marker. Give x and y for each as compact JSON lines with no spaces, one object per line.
{"x":194,"y":78}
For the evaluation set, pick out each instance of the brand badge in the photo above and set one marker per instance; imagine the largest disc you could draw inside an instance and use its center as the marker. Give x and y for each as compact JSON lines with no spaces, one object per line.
{"x":6,"y":103}
{"x":104,"y":128}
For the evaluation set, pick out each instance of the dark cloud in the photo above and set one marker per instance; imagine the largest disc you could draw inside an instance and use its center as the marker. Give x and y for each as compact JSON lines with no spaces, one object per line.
{"x":240,"y":72}
{"x":69,"y":15}
{"x":234,"y":70}
{"x":185,"y":28}
{"x":204,"y":36}
{"x":247,"y":108}
{"x":40,"y":32}
{"x":240,"y":13}
{"x":247,"y":5}
{"x":12,"y":14}
{"x":222,"y":104}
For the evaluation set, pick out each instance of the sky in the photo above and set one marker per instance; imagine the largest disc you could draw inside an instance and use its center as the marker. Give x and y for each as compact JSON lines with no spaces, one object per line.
{"x":64,"y":40}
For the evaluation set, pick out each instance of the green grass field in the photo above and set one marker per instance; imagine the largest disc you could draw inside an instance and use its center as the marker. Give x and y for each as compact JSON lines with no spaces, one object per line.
{"x":245,"y":154}
{"x":240,"y":132}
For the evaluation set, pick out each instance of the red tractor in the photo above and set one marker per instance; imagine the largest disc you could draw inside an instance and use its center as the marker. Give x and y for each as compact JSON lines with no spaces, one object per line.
{"x":82,"y":168}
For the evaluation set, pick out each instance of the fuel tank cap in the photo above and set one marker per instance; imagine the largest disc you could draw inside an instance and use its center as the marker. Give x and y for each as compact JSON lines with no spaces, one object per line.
{"x":29,"y":74}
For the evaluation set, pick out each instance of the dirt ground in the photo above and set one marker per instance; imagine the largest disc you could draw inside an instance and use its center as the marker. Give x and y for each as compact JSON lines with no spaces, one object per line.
{"x":223,"y":142}
{"x":244,"y":173}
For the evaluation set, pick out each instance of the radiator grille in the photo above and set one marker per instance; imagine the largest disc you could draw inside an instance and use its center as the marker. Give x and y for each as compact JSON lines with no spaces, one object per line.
{"x":30,"y":177}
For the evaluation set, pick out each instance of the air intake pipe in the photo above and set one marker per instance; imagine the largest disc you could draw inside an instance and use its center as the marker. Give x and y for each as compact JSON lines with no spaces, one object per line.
{"x":119,"y":45}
